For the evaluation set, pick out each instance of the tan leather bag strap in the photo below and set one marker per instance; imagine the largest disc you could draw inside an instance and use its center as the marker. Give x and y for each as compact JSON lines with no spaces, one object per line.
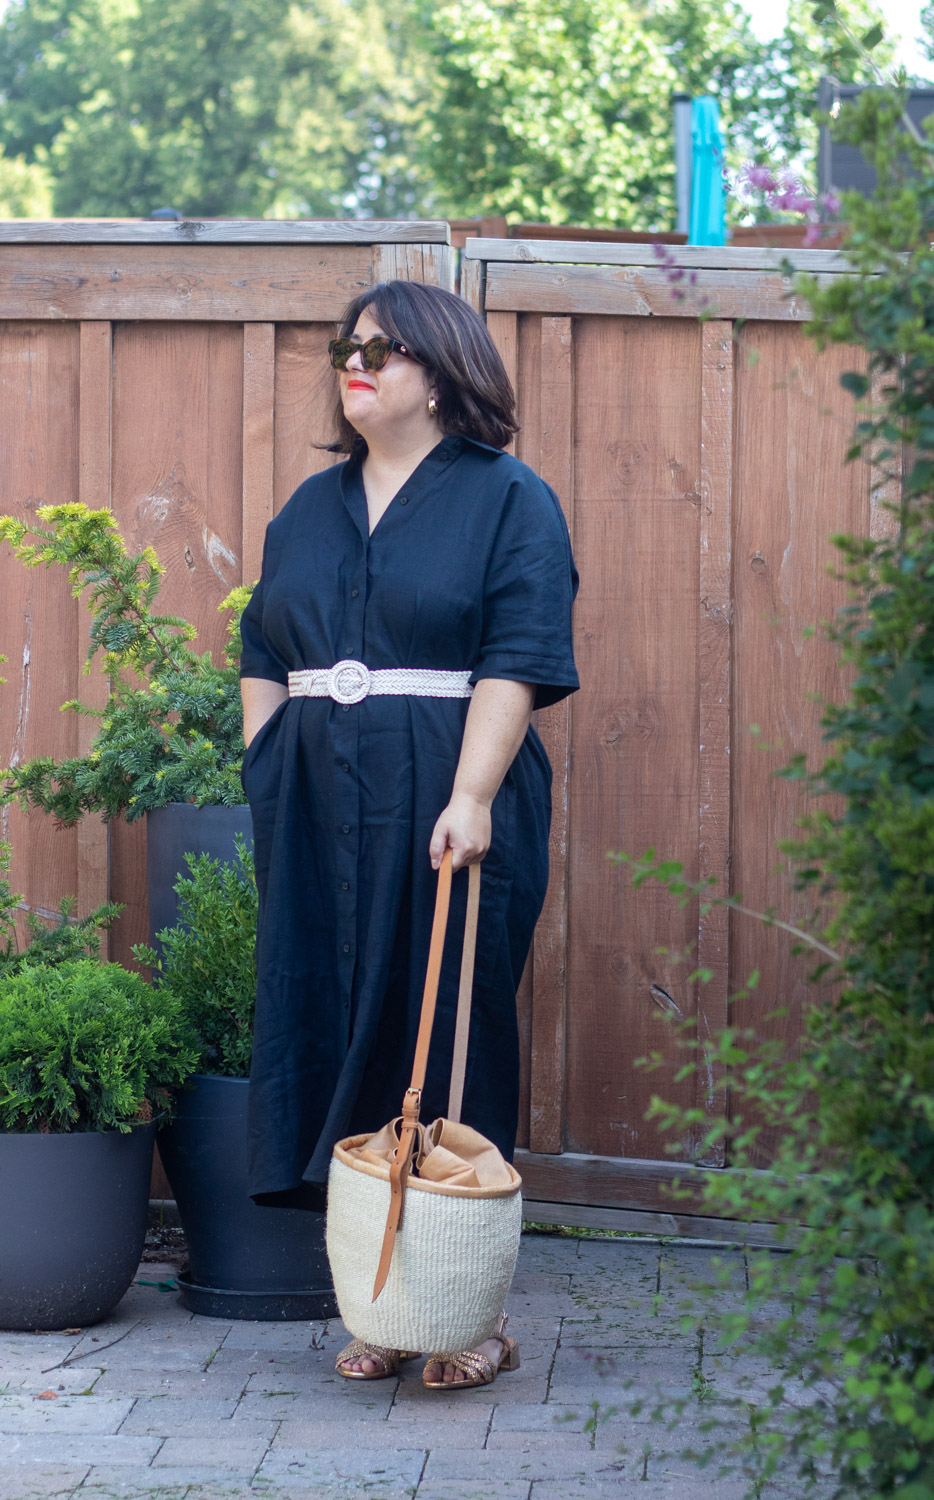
{"x":401,"y":1164}
{"x":464,"y":996}
{"x":433,"y":973}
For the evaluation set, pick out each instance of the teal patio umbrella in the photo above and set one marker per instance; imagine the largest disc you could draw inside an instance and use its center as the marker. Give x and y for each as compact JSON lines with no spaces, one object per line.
{"x":708,"y":216}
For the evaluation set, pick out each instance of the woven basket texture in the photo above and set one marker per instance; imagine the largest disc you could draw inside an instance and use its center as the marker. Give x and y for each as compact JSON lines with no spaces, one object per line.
{"x":451,"y":1269}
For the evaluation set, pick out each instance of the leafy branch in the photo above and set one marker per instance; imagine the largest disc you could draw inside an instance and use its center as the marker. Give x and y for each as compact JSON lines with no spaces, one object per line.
{"x":669,"y":873}
{"x":67,"y":938}
{"x":172,"y":728}
{"x":122,"y":587}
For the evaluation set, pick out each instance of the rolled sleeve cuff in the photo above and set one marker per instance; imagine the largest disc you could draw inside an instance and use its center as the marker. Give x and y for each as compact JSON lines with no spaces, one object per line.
{"x":261,"y":666}
{"x":552,"y":677}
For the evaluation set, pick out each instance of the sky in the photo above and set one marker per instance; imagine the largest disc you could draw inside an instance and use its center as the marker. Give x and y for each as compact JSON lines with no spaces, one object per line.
{"x":768,"y":19}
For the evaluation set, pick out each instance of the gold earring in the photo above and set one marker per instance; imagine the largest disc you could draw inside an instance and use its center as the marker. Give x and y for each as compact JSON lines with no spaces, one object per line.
{"x":432,"y":404}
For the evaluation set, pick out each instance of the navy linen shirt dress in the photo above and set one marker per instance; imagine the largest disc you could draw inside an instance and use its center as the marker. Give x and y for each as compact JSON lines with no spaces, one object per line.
{"x":470,"y":567}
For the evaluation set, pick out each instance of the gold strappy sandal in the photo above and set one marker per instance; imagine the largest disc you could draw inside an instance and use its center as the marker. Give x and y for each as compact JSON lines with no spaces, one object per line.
{"x":386,"y":1360}
{"x":478,"y":1369}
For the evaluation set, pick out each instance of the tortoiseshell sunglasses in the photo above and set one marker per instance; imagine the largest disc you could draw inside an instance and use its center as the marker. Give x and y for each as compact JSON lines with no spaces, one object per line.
{"x":374,"y":353}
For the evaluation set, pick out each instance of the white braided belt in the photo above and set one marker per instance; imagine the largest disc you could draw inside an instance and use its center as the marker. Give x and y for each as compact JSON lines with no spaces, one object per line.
{"x":351,"y":682}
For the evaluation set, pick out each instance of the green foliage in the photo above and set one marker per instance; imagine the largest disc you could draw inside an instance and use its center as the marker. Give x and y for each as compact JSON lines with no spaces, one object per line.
{"x":25,"y":188}
{"x":499,"y":145}
{"x":86,"y":1046}
{"x":208,"y":961}
{"x":814,"y":44}
{"x":230,"y":107}
{"x":67,"y":938}
{"x":540,"y":109}
{"x":853,"y":1115}
{"x":172,"y":730}
{"x":558,"y":110}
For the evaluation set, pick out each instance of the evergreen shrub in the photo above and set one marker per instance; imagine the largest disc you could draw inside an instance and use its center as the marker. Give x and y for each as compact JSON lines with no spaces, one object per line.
{"x":66,"y":938}
{"x":86,"y":1046}
{"x":208,"y":961}
{"x":172,"y":728}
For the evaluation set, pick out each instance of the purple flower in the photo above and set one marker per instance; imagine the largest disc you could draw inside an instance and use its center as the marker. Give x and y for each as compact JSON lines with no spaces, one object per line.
{"x":793,"y":199}
{"x":761,"y":178}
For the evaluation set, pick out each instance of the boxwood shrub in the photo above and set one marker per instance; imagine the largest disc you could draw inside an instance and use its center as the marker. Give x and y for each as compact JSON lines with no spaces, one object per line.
{"x":88,"y":1046}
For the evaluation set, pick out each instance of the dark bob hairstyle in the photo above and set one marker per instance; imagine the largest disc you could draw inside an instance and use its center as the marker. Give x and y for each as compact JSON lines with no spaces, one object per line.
{"x":475,"y":397}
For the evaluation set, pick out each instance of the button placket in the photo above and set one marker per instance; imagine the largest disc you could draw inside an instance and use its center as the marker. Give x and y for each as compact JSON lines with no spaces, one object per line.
{"x":345,"y":735}
{"x":347,"y":822}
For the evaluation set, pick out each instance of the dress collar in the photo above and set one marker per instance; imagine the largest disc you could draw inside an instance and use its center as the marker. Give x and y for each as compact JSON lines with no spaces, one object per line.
{"x":456,"y":442}
{"x":449,"y":447}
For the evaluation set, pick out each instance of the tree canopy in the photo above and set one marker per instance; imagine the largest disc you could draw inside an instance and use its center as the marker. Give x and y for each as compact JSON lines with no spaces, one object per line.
{"x":540,"y":109}
{"x":213,"y":107}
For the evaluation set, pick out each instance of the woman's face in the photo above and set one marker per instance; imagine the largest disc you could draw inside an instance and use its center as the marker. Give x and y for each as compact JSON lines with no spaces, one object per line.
{"x":393,"y":399}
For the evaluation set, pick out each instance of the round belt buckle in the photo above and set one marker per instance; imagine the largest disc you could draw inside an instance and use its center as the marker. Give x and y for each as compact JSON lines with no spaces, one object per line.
{"x":349,"y":681}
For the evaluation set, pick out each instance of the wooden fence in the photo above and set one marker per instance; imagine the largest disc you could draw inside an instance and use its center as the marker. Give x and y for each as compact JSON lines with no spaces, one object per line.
{"x":700,"y":462}
{"x":176,"y":372}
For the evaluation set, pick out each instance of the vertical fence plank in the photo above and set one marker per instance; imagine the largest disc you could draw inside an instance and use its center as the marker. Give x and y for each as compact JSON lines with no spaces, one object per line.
{"x":791,"y":492}
{"x":524,"y":1017}
{"x":503,"y":329}
{"x":306,"y":402}
{"x":714,"y":635}
{"x":94,"y":407}
{"x":885,"y":481}
{"x":39,"y":621}
{"x":177,"y":484}
{"x":433,"y":264}
{"x":637,"y":501}
{"x":471,"y":283}
{"x":259,"y":384}
{"x":550,"y":960}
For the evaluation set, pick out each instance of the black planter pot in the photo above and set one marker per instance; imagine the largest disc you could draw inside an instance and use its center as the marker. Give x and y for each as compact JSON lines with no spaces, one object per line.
{"x":72,"y":1226}
{"x":178,"y":829}
{"x":245,"y":1262}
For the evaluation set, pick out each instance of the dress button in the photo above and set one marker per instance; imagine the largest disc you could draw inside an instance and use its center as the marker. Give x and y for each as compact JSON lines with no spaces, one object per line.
{"x":345,"y":766}
{"x":345,"y":828}
{"x":346,"y":947}
{"x":346,"y":707}
{"x":403,"y":499}
{"x":345,"y":885}
{"x":354,"y":593}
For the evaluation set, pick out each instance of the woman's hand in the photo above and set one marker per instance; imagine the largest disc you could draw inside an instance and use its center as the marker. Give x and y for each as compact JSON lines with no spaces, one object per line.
{"x":466,"y":827}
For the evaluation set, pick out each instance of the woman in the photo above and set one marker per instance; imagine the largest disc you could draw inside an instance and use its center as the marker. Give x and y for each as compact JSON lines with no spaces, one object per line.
{"x":429,"y":548}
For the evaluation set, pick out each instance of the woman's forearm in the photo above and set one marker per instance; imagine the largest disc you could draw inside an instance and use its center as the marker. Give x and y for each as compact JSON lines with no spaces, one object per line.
{"x":260,"y":698}
{"x":497,"y":722}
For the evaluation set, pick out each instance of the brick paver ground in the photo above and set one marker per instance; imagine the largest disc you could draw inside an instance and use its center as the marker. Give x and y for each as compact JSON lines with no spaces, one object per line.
{"x":158,"y":1404}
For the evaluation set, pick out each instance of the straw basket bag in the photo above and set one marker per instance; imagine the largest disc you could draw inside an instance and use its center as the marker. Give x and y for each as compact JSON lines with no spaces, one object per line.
{"x":423,"y":1222}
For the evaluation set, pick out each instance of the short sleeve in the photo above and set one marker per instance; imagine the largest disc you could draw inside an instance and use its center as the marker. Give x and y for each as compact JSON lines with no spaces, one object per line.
{"x":530,"y":586}
{"x":257,"y":659}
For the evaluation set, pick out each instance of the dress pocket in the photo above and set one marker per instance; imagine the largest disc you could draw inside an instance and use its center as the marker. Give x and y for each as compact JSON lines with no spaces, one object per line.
{"x":258,"y":743}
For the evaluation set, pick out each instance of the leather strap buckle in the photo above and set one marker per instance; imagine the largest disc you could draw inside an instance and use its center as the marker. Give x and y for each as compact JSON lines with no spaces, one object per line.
{"x":411,"y":1106}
